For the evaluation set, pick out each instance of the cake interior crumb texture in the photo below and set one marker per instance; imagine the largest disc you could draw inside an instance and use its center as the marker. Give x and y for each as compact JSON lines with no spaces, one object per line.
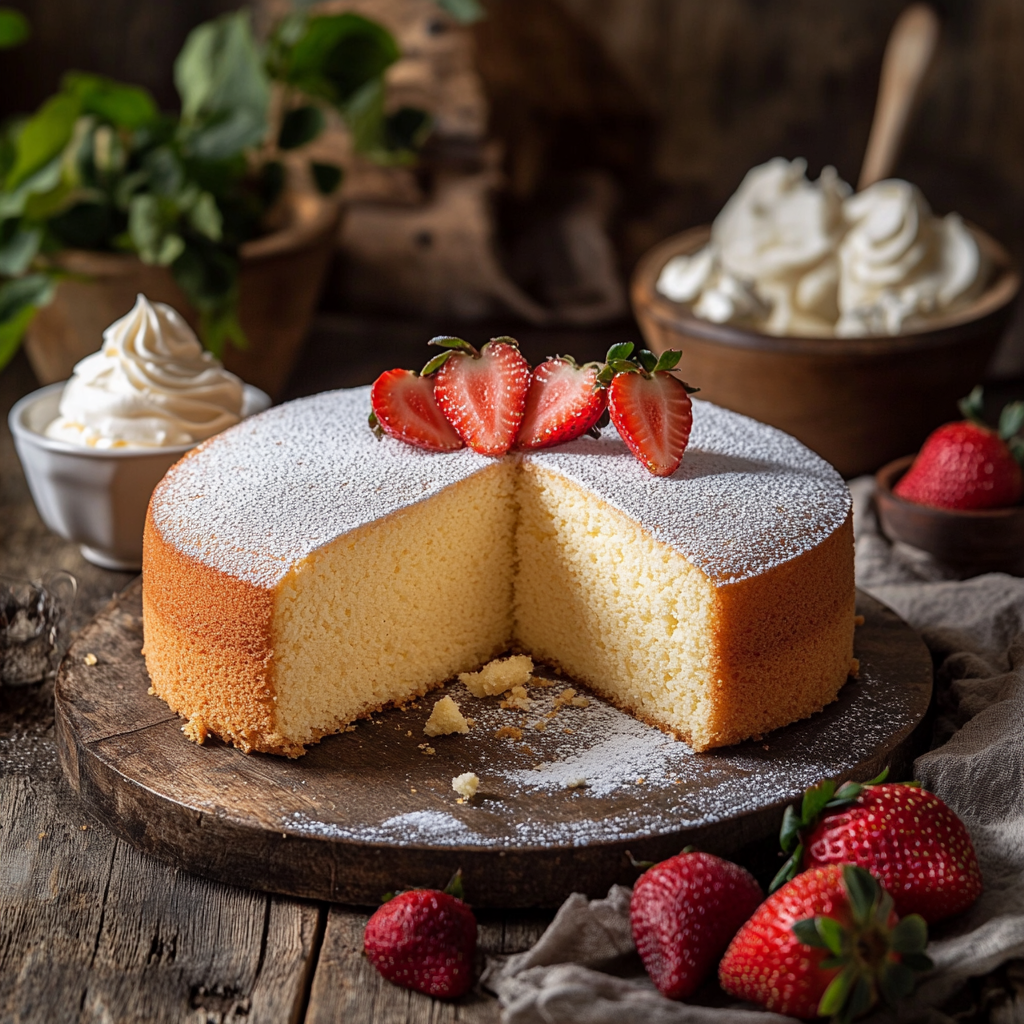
{"x":445,"y":719}
{"x":299,"y":575}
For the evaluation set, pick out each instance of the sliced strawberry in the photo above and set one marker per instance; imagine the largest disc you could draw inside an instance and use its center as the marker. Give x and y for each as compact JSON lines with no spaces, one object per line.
{"x":404,"y":407}
{"x":483,"y":393}
{"x":652,"y":412}
{"x":563,"y":403}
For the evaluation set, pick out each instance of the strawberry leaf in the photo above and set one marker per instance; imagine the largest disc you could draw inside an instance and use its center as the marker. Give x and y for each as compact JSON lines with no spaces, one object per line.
{"x":789,"y":835}
{"x":862,"y":891}
{"x":789,"y":870}
{"x":910,"y":935}
{"x":454,"y":887}
{"x":505,"y":340}
{"x":623,"y":366}
{"x":374,"y":424}
{"x":648,"y":360}
{"x":816,"y":800}
{"x":436,"y":363}
{"x":668,"y":360}
{"x":835,"y":996}
{"x":453,"y":343}
{"x":807,"y":932}
{"x":1011,"y":419}
{"x":621,"y":351}
{"x":973,"y":406}
{"x":860,"y":999}
{"x":832,"y":933}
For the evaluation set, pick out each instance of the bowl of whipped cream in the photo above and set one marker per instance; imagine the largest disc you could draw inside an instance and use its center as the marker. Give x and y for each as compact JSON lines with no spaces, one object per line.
{"x":852,"y":320}
{"x":94,"y":447}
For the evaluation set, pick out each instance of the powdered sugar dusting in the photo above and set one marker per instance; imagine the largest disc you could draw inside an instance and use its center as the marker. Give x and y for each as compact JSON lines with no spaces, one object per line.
{"x":265,"y":494}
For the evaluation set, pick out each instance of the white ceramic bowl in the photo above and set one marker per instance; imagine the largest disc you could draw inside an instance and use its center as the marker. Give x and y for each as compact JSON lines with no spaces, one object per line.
{"x":94,"y":497}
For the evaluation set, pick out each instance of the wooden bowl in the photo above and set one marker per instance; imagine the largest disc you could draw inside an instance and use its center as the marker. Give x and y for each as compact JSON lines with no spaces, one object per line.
{"x":986,"y":540}
{"x":858,"y":402}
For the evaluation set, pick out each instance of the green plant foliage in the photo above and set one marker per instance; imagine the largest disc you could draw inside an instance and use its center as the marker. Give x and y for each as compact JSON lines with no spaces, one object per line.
{"x":465,"y":11}
{"x":14,"y":28}
{"x":99,"y":167}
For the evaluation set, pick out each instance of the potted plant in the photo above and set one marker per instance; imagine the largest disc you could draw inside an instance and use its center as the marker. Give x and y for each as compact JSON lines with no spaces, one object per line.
{"x":103,"y":196}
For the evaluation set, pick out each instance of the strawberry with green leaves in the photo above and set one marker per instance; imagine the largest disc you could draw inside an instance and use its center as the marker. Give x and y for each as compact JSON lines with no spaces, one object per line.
{"x":827,"y":944}
{"x":649,"y":406}
{"x":905,"y":836}
{"x":564,"y":402}
{"x":482,"y":394}
{"x":424,"y":939}
{"x":968,"y":465}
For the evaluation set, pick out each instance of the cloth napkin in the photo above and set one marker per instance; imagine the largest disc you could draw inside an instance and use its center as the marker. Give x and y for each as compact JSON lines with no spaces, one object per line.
{"x":584,"y":970}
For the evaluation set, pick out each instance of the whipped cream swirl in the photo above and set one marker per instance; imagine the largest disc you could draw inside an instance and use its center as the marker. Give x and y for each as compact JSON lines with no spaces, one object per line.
{"x":151,"y":385}
{"x":795,"y":257}
{"x":899,"y":262}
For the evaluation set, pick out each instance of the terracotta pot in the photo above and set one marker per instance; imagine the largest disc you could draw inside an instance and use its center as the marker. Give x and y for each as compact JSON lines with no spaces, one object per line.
{"x":858,"y":402}
{"x":279,"y":286}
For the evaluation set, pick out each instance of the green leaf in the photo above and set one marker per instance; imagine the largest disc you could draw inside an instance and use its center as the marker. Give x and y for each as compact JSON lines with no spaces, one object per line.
{"x":861,"y":999}
{"x":151,"y":227}
{"x":789,"y":870}
{"x":300,"y":126}
{"x":621,"y":351}
{"x":454,"y":887}
{"x":648,"y":360}
{"x":834,"y":997}
{"x":326,"y":177}
{"x":1011,"y":419}
{"x":879,"y":778}
{"x":19,"y":300}
{"x":406,"y":129}
{"x":219,"y":328}
{"x":465,"y":12}
{"x":124,"y":106}
{"x":861,"y":889}
{"x":789,"y":834}
{"x":14,"y":28}
{"x":895,"y":981}
{"x":42,"y":137}
{"x":832,"y":933}
{"x":435,"y":364}
{"x":815,"y":800}
{"x":86,"y":225}
{"x":973,"y":406}
{"x":205,"y":217}
{"x":18,"y":247}
{"x":807,"y":932}
{"x":622,"y":366}
{"x":669,"y":360}
{"x":335,"y":56}
{"x":378,"y":432}
{"x":224,"y":88}
{"x":364,"y":115}
{"x":46,"y":179}
{"x":444,"y":341}
{"x":910,"y":935}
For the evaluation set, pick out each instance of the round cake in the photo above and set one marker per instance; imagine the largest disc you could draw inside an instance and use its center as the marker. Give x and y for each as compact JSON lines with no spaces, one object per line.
{"x":299,"y":574}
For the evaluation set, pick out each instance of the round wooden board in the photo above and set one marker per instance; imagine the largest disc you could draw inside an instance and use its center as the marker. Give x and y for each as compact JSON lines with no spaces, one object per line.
{"x":372,"y":809}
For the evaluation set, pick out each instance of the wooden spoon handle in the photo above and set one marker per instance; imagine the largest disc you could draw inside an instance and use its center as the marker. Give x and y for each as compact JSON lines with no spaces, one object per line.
{"x":908,"y":54}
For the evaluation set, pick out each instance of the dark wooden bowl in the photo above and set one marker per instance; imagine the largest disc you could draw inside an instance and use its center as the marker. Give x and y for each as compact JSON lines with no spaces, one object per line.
{"x":858,"y":402}
{"x":987,"y":540}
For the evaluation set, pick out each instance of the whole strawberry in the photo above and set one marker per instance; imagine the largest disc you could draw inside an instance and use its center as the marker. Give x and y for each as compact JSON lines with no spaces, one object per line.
{"x":905,"y":836}
{"x":683,"y":913}
{"x":967,"y":465}
{"x":827,"y":944}
{"x":482,"y":394}
{"x":424,"y":939}
{"x":649,"y":406}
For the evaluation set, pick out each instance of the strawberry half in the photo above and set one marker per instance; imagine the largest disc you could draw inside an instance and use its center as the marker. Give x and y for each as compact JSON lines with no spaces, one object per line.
{"x":905,"y":836}
{"x":683,"y":913}
{"x":482,"y":394}
{"x":404,"y":407}
{"x":564,"y":402}
{"x":967,"y":465}
{"x":425,"y":940}
{"x":650,"y":408}
{"x":826,"y":944}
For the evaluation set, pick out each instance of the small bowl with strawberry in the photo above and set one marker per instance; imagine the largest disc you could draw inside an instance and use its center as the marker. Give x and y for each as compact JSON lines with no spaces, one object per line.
{"x":960,"y":497}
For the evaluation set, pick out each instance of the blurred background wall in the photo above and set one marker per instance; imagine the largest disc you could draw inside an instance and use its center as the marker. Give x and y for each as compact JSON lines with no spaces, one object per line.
{"x":667,"y":102}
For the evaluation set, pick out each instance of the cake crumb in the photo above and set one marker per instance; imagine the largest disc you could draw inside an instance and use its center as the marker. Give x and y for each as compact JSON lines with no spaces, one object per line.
{"x":466,"y":785}
{"x":498,"y":676}
{"x":409,"y":732}
{"x":539,"y":681}
{"x":576,"y":784}
{"x":858,"y":620}
{"x":509,"y":732}
{"x":195,"y":730}
{"x":517,"y":699}
{"x":43,"y":835}
{"x":565,"y":697}
{"x":580,"y":702}
{"x":855,"y":668}
{"x":445,"y":719}
{"x":568,"y":732}
{"x":90,"y":659}
{"x":540,"y":726}
{"x":152,"y":691}
{"x":426,"y":748}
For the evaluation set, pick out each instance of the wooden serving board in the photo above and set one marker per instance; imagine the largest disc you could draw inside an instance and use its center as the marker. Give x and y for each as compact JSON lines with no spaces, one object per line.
{"x":373,"y":810}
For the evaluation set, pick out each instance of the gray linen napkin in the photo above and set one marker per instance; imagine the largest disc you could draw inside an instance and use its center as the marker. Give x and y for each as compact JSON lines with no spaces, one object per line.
{"x":975,"y":631}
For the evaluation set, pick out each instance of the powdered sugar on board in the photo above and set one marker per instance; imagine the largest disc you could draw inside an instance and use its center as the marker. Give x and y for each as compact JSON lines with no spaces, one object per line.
{"x":263,"y":495}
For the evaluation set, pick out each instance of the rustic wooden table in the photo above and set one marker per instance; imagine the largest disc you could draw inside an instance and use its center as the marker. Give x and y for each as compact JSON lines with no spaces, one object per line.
{"x":91,"y":929}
